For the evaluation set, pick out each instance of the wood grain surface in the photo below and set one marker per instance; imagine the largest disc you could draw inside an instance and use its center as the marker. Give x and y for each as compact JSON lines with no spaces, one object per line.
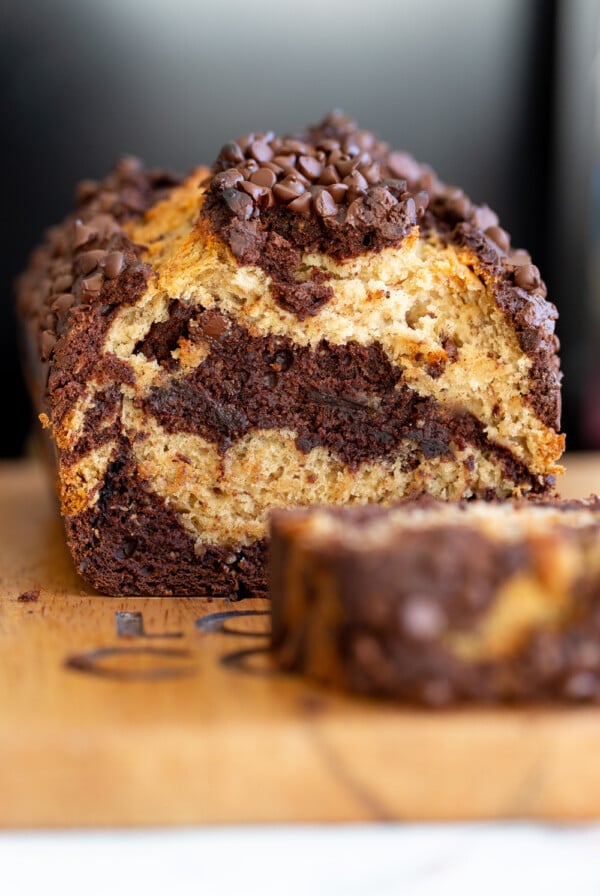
{"x":147,"y":711}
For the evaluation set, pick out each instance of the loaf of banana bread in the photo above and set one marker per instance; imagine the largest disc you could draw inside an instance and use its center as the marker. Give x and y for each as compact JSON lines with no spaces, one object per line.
{"x":316,"y":318}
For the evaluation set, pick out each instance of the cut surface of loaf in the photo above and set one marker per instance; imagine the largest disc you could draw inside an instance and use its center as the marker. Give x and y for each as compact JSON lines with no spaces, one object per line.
{"x":314,"y":319}
{"x":435,"y":603}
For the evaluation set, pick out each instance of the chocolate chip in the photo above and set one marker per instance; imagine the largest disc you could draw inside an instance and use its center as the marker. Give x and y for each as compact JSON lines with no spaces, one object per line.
{"x":296,"y":146}
{"x":520,"y":256}
{"x":430,"y":183}
{"x":325,"y":206}
{"x":253,"y":190}
{"x":310,"y":167}
{"x":260,"y":151}
{"x":114,"y":264}
{"x":227,"y":180}
{"x":410,"y":210}
{"x":231,"y":152}
{"x":293,"y":172}
{"x":371,"y":173}
{"x":289,"y":189}
{"x":88,"y":261}
{"x":105,"y":226}
{"x":365,"y":140}
{"x":328,"y":145}
{"x":266,"y":200}
{"x":301,"y":205}
{"x":421,"y":202}
{"x":245,"y":141}
{"x":500,"y":237}
{"x":47,"y":343}
{"x":336,"y":155}
{"x":93,"y":284}
{"x":62,"y":283}
{"x":527,"y":277}
{"x":351,"y":196}
{"x":240,"y":204}
{"x":356,"y":181}
{"x":276,"y":169}
{"x":133,"y":199}
{"x":329,"y":175}
{"x":107,"y":200}
{"x":460,"y":207}
{"x":401,"y":164}
{"x":395,"y":185}
{"x":83,"y":234}
{"x":347,"y":166}
{"x":338,"y":191}
{"x":285,"y":161}
{"x":248,"y":168}
{"x":61,"y":303}
{"x":264,"y":177}
{"x":214,"y":324}
{"x":355,"y":214}
{"x":85,"y":190}
{"x":484,"y":217}
{"x":451,"y":192}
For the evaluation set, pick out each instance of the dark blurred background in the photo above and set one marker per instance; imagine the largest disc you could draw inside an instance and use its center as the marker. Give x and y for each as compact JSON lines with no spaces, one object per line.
{"x":499,"y":96}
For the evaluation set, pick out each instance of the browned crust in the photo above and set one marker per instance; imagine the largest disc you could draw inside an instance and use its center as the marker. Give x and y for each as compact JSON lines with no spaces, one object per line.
{"x":532,"y":318}
{"x":66,"y":302}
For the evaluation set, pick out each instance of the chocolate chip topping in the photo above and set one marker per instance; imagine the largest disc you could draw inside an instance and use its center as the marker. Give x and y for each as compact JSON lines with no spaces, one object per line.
{"x":86,"y":266}
{"x":335,"y":175}
{"x":527,"y":277}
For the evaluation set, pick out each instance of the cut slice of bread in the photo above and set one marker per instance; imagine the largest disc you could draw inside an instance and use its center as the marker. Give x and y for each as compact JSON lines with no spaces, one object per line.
{"x":434,"y":602}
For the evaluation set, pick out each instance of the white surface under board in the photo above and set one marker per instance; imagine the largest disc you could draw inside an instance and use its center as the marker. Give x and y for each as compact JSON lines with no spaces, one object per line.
{"x":356,"y":860}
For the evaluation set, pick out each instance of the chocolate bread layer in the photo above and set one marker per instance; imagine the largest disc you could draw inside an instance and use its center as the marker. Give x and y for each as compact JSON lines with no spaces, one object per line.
{"x":130,"y":542}
{"x":436,"y":604}
{"x":347,"y":398}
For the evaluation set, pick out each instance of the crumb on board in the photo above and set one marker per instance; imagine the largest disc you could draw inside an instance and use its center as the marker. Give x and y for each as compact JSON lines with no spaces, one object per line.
{"x":27,"y":597}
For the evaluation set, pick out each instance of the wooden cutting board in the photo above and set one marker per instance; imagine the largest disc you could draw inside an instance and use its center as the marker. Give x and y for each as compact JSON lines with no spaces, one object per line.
{"x":146,"y":711}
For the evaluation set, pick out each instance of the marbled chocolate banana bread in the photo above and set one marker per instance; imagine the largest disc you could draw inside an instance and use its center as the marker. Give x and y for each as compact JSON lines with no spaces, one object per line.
{"x":439,"y":602}
{"x":314,"y":319}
